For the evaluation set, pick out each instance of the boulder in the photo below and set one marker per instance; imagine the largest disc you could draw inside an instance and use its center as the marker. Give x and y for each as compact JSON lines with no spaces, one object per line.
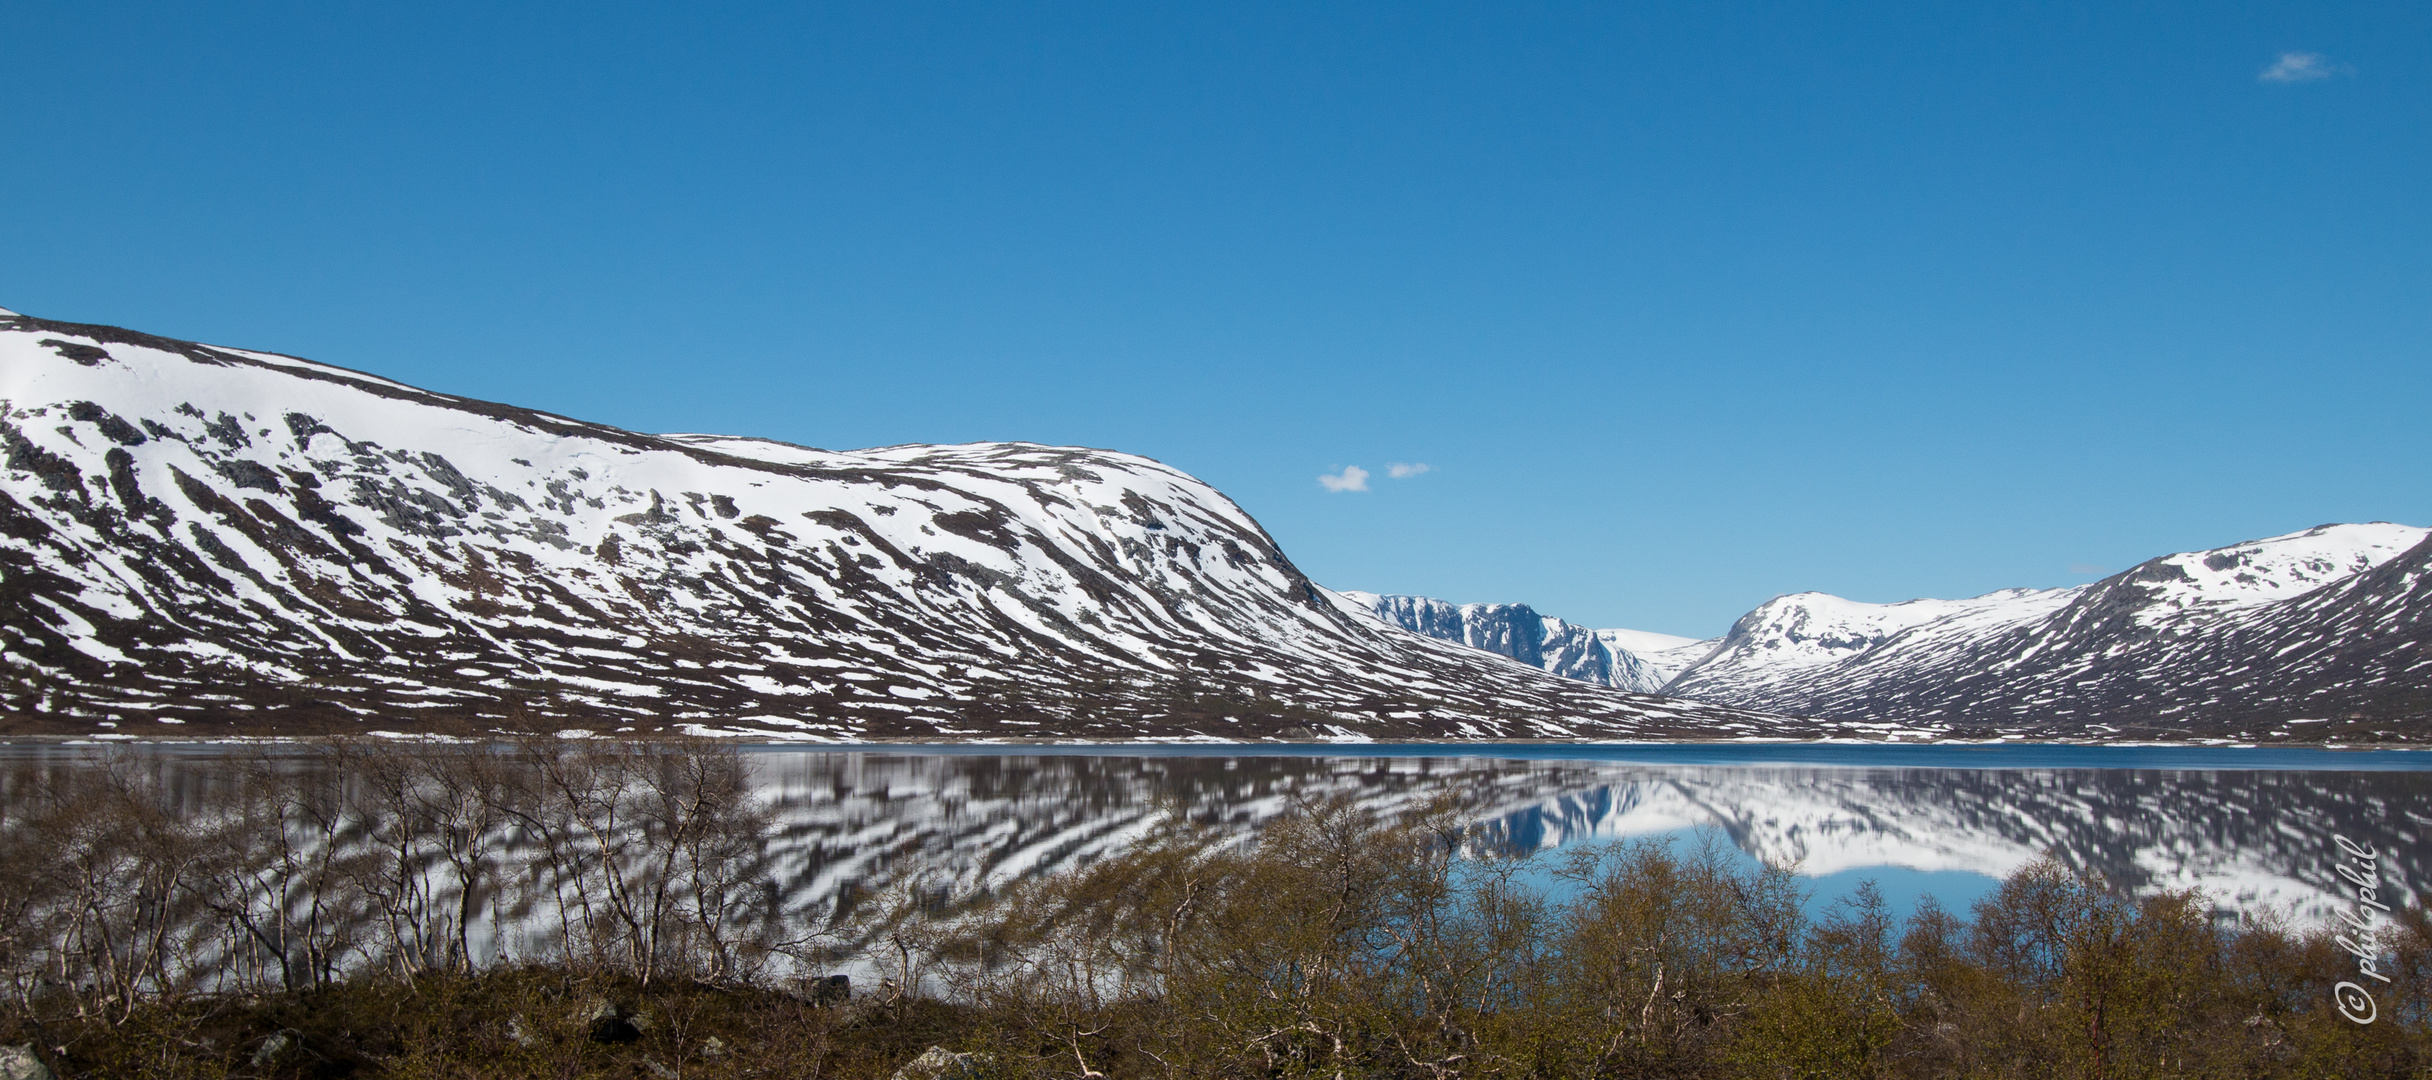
{"x":828,"y":989}
{"x":19,"y":1063}
{"x":520,"y":1033}
{"x":604,"y":1021}
{"x":939,"y":1063}
{"x":278,"y":1045}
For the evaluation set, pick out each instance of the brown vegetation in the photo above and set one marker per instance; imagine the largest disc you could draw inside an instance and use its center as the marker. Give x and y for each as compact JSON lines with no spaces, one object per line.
{"x":609,"y":910}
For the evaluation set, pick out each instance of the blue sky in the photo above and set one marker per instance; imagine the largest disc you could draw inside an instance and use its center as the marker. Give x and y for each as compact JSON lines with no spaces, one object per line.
{"x":1684,"y":306}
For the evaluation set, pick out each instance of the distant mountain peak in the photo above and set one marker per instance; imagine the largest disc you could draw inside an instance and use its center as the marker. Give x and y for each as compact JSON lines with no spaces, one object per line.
{"x":2271,"y":569}
{"x":2321,"y":633}
{"x":2174,"y":645}
{"x":1518,"y":632}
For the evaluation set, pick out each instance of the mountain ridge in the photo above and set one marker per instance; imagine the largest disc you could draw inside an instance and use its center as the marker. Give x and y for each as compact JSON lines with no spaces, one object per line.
{"x":2320,"y":633}
{"x":1518,"y":632}
{"x":313,"y":548}
{"x":203,"y":540}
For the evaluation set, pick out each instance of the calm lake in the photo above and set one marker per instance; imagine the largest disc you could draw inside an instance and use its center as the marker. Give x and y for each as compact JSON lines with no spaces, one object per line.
{"x":2253,"y":828}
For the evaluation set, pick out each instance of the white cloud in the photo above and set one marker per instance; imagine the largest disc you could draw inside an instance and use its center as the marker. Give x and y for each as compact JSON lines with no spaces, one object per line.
{"x":2297,"y":67}
{"x":1352,"y":478}
{"x":1404,"y":470}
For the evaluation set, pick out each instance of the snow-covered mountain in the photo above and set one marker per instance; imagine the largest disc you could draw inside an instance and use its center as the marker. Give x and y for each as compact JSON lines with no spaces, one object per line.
{"x":1796,"y":640}
{"x":1518,"y":632}
{"x":240,"y":541}
{"x":2317,"y":634}
{"x":1667,"y":655}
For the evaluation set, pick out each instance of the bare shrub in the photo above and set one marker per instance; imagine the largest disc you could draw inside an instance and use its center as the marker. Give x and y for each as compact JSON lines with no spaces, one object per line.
{"x":279,"y":874}
{"x":653,"y":857}
{"x":112,"y":883}
{"x":378,"y":888}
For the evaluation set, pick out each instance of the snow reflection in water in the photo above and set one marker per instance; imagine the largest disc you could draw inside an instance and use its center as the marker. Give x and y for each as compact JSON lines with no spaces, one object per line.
{"x":2250,"y":827}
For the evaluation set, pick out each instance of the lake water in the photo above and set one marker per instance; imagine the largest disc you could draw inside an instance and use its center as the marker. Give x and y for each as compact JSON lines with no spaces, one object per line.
{"x":2251,"y":827}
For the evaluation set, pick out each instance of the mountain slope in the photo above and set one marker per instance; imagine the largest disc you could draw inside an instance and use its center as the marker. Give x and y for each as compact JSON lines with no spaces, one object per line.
{"x":240,"y":541}
{"x":2311,"y":634}
{"x":1791,"y":643}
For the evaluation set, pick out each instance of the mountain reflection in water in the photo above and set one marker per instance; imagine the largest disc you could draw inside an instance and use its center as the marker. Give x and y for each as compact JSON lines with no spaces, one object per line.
{"x":2251,"y":838}
{"x":2251,"y":828}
